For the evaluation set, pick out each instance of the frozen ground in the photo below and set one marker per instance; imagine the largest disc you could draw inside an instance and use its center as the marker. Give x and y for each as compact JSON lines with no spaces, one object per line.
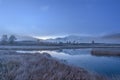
{"x":18,"y":66}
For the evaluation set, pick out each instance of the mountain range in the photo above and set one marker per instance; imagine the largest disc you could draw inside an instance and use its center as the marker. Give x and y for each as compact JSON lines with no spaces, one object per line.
{"x":110,"y":38}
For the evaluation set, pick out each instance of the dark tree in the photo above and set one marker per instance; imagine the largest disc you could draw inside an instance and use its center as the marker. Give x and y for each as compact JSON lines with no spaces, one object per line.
{"x":93,"y":42}
{"x":4,"y":39}
{"x":12,"y":39}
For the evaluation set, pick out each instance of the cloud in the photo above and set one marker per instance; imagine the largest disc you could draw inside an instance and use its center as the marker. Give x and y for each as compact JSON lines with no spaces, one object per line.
{"x":44,"y":8}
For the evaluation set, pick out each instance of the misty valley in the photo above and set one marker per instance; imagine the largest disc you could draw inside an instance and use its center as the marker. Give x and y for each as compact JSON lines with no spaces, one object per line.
{"x":59,"y":39}
{"x":100,"y":60}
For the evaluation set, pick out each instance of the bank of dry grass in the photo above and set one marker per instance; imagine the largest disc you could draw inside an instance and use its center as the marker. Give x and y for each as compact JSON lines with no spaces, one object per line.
{"x":14,"y":66}
{"x":105,"y":52}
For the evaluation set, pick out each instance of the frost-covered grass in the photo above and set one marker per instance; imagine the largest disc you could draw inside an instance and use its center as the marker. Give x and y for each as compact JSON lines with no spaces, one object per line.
{"x":18,"y":66}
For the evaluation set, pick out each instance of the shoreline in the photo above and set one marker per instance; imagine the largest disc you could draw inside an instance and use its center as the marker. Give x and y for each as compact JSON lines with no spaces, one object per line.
{"x":40,"y":67}
{"x":6,"y":47}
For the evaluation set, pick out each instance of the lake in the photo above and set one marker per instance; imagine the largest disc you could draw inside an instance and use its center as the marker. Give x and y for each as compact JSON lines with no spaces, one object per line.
{"x":107,"y":66}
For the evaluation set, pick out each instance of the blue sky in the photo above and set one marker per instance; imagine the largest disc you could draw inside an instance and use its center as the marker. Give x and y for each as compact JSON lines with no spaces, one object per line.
{"x":59,"y":17}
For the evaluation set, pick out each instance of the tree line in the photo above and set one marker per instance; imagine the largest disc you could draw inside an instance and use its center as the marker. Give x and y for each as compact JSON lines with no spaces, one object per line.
{"x":8,"y":40}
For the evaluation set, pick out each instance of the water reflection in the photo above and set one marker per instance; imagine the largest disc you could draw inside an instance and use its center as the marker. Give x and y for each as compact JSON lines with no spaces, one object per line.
{"x":82,"y":58}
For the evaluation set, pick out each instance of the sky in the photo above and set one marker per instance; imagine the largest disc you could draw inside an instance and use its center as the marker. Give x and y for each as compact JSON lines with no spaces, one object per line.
{"x":59,"y":17}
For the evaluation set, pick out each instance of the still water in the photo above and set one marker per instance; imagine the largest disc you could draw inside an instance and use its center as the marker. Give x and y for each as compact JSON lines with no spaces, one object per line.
{"x":107,"y":66}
